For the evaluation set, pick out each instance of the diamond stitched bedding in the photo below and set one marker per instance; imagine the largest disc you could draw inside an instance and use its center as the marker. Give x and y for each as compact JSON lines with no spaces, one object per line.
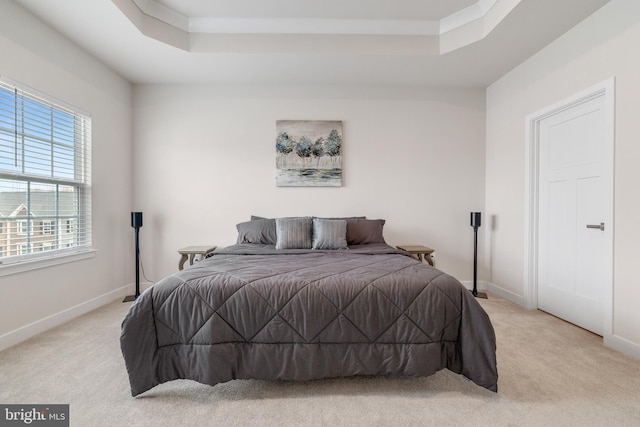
{"x":253,"y":312}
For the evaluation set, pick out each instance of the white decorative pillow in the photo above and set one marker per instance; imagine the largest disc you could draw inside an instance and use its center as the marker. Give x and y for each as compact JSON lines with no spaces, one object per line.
{"x":329,"y":234}
{"x":293,"y":233}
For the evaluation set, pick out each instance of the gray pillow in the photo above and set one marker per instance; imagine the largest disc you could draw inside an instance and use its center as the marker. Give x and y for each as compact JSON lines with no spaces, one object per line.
{"x":258,"y":231}
{"x":346,"y":218}
{"x":365,"y":231}
{"x":293,"y":233}
{"x":329,"y":234}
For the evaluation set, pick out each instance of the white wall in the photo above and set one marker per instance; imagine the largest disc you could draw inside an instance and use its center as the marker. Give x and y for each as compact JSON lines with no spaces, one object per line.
{"x":205,"y":160}
{"x":36,"y":56}
{"x":604,"y":45}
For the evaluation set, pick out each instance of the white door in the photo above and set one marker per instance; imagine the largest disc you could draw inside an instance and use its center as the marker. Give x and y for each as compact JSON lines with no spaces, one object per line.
{"x":574,"y":202}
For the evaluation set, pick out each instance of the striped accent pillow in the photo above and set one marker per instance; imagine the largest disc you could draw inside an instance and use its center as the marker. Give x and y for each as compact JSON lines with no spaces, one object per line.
{"x":293,"y":233}
{"x":329,"y":234}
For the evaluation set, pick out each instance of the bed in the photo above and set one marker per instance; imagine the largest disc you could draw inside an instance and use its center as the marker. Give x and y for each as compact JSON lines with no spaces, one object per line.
{"x":301,"y":311}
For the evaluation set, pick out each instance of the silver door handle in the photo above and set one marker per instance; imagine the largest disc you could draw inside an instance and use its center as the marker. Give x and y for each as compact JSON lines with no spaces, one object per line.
{"x":598,"y":226}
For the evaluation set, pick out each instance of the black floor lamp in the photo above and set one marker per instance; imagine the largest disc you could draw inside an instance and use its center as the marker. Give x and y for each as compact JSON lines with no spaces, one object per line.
{"x":475,"y":223}
{"x":136,"y":223}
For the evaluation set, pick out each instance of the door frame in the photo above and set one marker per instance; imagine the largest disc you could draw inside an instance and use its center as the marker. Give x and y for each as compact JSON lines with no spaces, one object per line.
{"x":604,"y":89}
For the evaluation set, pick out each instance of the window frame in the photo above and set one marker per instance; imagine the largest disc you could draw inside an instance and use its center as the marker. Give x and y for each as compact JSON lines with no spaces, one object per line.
{"x":22,"y":227}
{"x":52,"y":223}
{"x":48,"y":227}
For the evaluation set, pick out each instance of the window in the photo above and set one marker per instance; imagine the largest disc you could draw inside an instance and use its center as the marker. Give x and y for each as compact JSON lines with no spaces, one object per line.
{"x":48,"y":227}
{"x":45,"y":175}
{"x":23,"y":227}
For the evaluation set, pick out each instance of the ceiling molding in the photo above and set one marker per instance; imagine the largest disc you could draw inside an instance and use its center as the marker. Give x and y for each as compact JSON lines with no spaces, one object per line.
{"x":154,"y":27}
{"x":221,"y":34}
{"x":211,"y":25}
{"x":156,"y":10}
{"x":474,"y":31}
{"x":466,"y":16}
{"x":227,"y":25}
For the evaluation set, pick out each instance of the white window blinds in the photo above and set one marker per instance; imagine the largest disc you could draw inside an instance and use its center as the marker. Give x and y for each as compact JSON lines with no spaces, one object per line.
{"x":45,"y":176}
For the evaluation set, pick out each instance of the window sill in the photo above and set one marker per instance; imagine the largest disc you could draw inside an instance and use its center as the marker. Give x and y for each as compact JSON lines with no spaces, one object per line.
{"x":34,"y":264}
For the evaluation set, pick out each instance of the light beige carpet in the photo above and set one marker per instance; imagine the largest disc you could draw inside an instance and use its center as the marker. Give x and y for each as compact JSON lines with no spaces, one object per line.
{"x":551,"y":374}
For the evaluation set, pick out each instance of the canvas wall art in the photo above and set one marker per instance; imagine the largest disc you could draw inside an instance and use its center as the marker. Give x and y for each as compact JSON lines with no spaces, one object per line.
{"x":308,"y":153}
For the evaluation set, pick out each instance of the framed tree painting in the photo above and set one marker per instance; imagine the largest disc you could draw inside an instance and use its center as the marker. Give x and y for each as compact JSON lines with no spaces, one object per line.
{"x":308,"y":153}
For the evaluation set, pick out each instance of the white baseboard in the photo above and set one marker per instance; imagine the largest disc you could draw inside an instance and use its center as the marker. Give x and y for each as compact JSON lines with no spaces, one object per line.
{"x":482,"y":286}
{"x":622,"y":345}
{"x":614,"y":342}
{"x":495,"y":290}
{"x":506,"y":294}
{"x":143,"y":287}
{"x":32,"y":329}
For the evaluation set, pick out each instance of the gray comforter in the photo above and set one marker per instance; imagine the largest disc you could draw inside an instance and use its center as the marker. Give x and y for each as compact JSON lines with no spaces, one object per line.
{"x":251,"y":311}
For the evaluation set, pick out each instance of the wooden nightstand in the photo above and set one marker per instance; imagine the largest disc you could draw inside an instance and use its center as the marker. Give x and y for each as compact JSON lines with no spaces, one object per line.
{"x":420,"y":252}
{"x":191,"y":251}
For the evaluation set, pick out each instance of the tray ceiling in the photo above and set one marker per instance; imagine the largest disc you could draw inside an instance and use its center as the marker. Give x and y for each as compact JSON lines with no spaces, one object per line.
{"x":465,"y":43}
